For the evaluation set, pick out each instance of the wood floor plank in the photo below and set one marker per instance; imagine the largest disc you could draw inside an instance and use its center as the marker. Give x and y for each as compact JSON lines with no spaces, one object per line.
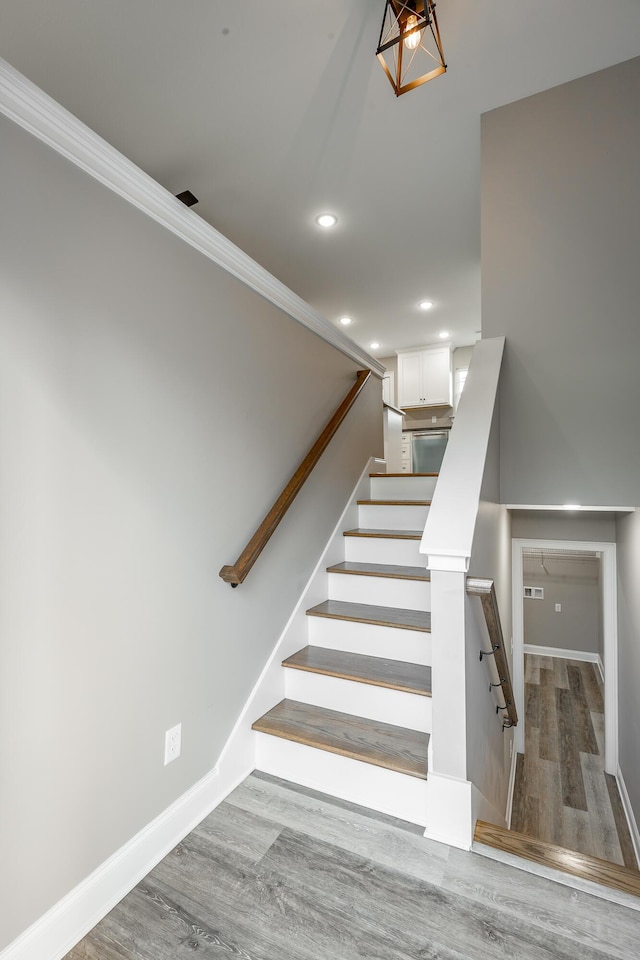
{"x":548,"y":744}
{"x":554,"y":907}
{"x":599,"y":871}
{"x":602,"y":825}
{"x":344,"y":825}
{"x":400,"y":617}
{"x":247,"y":835}
{"x":427,"y":921}
{"x":393,"y":571}
{"x":384,"y":534}
{"x":585,"y":737}
{"x":622,"y":827}
{"x":392,"y":674}
{"x":573,"y":793}
{"x":532,"y":703}
{"x":381,"y":744}
{"x":592,"y":685}
{"x":519,"y":796}
{"x":531,"y":668}
{"x":337,"y":883}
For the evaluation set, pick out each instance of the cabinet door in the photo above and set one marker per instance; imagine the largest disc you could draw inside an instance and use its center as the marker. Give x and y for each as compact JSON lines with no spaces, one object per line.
{"x":436,"y":374}
{"x":410,"y":380}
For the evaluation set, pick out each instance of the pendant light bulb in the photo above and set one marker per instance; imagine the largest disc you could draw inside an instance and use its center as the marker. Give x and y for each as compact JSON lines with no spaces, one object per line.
{"x":412,"y":41}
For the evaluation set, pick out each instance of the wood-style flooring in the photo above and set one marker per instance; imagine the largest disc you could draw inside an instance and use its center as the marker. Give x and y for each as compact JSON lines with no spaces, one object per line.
{"x":277,"y":872}
{"x":562,"y":794}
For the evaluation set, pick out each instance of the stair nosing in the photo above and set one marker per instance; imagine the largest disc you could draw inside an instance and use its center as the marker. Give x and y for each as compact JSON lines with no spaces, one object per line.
{"x":372,"y":620}
{"x":393,"y":763}
{"x":290,"y":664}
{"x":424,"y":577}
{"x":374,"y":533}
{"x":395,"y":503}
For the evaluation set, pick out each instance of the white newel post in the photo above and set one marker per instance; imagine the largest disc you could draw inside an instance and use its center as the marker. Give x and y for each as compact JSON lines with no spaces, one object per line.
{"x":447,"y":544}
{"x":449,"y":809}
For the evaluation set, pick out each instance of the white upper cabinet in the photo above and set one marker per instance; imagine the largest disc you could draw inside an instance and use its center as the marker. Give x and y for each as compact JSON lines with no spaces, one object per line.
{"x":424,"y":377}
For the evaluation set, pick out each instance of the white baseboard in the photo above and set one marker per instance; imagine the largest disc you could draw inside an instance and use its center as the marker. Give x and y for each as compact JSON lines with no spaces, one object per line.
{"x":600,"y":666}
{"x":69,"y":920}
{"x":628,"y":811}
{"x":562,"y":654}
{"x":512,"y":785}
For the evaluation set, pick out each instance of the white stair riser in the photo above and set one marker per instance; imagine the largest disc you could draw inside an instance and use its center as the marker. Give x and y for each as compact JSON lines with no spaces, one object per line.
{"x":411,"y":646}
{"x":402,"y":488}
{"x":384,"y":550}
{"x":360,"y":699}
{"x":395,"y":794}
{"x":383,"y":591}
{"x":392,"y":516}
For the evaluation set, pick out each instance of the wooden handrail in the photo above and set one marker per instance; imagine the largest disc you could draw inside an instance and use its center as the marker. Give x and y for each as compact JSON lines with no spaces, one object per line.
{"x":237,"y":573}
{"x":485,"y":589}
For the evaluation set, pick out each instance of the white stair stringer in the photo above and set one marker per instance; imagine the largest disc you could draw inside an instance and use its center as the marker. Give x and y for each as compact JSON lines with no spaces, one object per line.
{"x":395,"y":794}
{"x":397,"y":707}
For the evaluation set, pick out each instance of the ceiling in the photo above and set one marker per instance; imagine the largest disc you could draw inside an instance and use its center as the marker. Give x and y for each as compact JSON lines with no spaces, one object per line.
{"x":273,"y":112}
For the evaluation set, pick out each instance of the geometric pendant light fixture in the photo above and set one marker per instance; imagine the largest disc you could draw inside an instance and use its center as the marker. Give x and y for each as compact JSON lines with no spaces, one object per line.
{"x":410,"y":49}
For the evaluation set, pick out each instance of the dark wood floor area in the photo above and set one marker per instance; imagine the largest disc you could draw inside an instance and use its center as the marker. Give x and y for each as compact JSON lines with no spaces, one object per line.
{"x":277,"y":872}
{"x":562,"y":794}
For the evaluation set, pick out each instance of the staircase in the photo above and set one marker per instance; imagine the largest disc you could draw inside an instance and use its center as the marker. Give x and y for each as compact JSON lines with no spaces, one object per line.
{"x":356,"y":719}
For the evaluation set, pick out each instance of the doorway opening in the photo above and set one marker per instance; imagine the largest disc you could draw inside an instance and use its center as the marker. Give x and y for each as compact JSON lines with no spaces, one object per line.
{"x":565,"y":684}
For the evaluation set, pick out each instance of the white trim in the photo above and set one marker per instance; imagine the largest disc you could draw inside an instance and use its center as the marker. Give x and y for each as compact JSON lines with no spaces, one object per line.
{"x":512,"y":784}
{"x":561,"y":653}
{"x":53,"y":935}
{"x":629,"y":814}
{"x":33,"y":110}
{"x":610,"y":628}
{"x":600,"y":666}
{"x":561,"y":506}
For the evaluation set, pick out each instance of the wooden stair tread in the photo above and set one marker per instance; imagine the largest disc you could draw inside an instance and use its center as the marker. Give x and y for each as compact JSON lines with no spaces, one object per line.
{"x":559,"y":858}
{"x":381,"y":744}
{"x":388,"y":534}
{"x":395,"y":503}
{"x":393,"y":674}
{"x":370,"y":613}
{"x":392,"y":570}
{"x":404,"y":474}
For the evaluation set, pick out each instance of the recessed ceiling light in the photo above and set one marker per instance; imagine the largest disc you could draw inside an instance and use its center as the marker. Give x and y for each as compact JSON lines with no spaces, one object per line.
{"x":425,"y":305}
{"x":326,"y":220}
{"x":374,"y":345}
{"x":345,"y":321}
{"x":444,"y":334}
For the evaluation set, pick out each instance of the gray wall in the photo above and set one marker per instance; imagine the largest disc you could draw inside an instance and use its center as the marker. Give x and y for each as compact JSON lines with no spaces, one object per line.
{"x":488,"y":758}
{"x":152,"y":408}
{"x":558,"y":525}
{"x":628,"y":560}
{"x":573,"y":582}
{"x":560,"y":279}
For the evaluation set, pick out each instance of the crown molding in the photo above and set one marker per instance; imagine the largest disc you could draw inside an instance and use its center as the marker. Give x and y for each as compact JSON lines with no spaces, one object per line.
{"x":32,"y":109}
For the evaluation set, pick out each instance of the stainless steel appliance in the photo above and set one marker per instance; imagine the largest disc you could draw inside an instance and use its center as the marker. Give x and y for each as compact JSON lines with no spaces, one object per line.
{"x":428,"y":447}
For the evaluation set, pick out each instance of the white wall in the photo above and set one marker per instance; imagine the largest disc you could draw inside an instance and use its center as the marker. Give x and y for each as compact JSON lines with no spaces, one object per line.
{"x":628,"y":560}
{"x":151,"y":409}
{"x":574,"y":583}
{"x":560,"y":279}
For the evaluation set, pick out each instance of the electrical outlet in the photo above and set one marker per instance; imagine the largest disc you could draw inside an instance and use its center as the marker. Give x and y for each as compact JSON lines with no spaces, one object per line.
{"x":172,"y":743}
{"x":434,"y":419}
{"x":558,"y":608}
